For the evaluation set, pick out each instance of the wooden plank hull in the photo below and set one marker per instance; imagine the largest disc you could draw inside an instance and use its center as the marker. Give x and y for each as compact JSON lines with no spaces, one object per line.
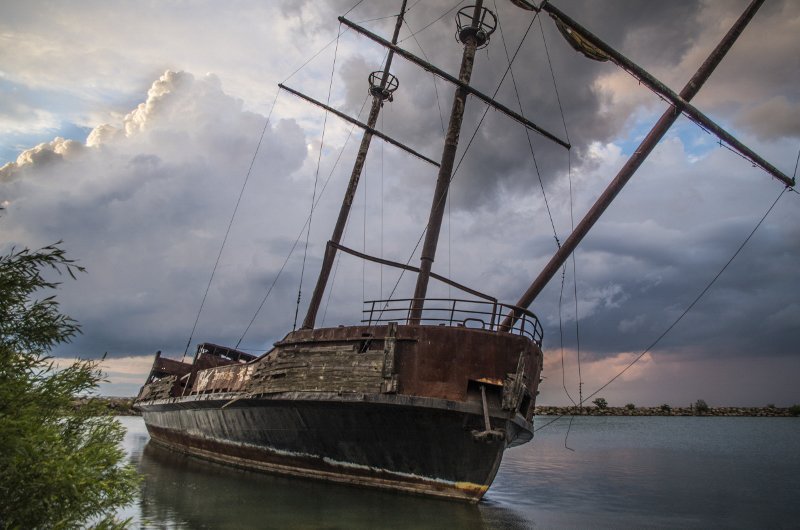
{"x":398,"y":407}
{"x":412,"y":445}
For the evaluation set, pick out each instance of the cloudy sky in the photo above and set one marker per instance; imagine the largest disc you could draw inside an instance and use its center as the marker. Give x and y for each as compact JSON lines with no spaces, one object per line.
{"x":127,"y":130}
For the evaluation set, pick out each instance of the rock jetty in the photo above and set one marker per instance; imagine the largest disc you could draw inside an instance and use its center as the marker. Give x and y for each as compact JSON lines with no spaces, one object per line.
{"x":115,"y":405}
{"x":672,"y":411}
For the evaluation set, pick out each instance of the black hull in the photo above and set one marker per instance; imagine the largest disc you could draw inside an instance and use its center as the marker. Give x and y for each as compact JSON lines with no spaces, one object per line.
{"x":416,"y":445}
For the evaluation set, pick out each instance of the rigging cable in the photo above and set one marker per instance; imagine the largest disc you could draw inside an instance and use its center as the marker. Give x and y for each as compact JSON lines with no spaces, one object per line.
{"x":316,"y":179}
{"x":685,"y":312}
{"x":453,"y":174}
{"x":383,"y":129}
{"x":449,"y":202}
{"x":564,"y":268}
{"x":301,"y":230}
{"x":434,"y":22}
{"x":228,"y":231}
{"x":527,"y":132}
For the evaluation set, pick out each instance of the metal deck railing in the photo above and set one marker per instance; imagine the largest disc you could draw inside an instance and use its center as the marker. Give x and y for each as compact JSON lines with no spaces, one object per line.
{"x":479,"y":314}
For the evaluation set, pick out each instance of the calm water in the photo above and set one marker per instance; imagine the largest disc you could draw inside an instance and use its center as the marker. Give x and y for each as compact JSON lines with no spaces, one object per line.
{"x":623,"y":472}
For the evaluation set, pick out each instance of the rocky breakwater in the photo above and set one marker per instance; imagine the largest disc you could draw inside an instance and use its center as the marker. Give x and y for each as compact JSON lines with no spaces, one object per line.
{"x":115,"y":405}
{"x":669,"y":411}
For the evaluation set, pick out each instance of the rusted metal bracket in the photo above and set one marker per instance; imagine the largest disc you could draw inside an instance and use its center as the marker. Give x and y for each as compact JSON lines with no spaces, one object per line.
{"x":364,"y":126}
{"x":681,"y":104}
{"x":487,"y":435}
{"x":454,"y":80}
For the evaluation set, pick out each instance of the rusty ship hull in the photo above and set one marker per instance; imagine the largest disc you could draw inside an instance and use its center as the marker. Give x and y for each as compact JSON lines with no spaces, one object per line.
{"x":418,"y":409}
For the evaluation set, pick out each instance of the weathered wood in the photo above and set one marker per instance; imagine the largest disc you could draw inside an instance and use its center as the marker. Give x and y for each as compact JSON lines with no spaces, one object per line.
{"x":412,"y":269}
{"x":360,"y":124}
{"x":514,"y":386}
{"x":308,"y":371}
{"x":160,"y":389}
{"x":389,"y":384}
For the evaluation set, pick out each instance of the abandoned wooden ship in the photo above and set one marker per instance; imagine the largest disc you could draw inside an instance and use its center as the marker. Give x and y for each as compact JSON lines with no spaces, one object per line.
{"x":426,"y":394}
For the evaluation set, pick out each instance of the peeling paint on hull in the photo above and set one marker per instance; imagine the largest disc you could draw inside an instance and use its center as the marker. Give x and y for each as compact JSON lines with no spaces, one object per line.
{"x":408,"y":448}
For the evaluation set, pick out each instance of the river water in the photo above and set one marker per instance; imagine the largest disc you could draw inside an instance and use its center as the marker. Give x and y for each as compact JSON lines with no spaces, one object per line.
{"x":631,"y":472}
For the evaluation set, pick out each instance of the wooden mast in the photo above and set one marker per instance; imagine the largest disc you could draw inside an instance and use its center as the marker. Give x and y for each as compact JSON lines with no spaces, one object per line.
{"x":633,"y":163}
{"x":471,"y":43}
{"x":344,"y":212}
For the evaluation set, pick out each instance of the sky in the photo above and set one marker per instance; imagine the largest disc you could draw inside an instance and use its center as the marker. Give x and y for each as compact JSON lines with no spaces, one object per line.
{"x":128,"y":130}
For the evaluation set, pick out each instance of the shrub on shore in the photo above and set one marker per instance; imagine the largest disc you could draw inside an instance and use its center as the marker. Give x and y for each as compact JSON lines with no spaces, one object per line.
{"x":794,"y":410}
{"x":665,"y":407}
{"x":630,"y":406}
{"x":701,"y":406}
{"x":60,"y":465}
{"x":600,"y":403}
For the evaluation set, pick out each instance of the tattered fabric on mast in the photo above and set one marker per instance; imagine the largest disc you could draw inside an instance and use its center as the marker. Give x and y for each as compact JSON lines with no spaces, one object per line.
{"x":639,"y":155}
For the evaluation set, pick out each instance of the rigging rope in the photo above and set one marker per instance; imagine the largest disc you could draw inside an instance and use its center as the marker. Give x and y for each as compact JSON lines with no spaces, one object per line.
{"x":228,"y":231}
{"x":434,"y":22}
{"x":302,"y":229}
{"x":455,"y":171}
{"x":316,"y":179}
{"x":682,"y":314}
{"x":527,"y":132}
{"x":572,"y":223}
{"x":435,"y":88}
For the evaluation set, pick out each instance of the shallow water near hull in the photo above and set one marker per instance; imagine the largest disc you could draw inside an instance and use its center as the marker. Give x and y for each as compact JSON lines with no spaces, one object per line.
{"x":644,"y":472}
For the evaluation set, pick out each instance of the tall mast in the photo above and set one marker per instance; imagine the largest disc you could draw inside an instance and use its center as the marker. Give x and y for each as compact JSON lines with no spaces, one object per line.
{"x":380,"y":92}
{"x":633,"y":163}
{"x":473,"y":36}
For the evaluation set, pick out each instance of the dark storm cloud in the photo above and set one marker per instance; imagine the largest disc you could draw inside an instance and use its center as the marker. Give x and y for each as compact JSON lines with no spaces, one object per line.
{"x":145,"y":203}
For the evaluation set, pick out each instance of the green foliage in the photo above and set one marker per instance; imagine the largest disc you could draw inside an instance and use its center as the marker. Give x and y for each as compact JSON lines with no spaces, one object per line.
{"x":770,"y":405}
{"x":60,"y":465}
{"x":701,"y":406}
{"x":601,"y":403}
{"x":665,"y":407}
{"x":630,"y":406}
{"x":794,"y":410}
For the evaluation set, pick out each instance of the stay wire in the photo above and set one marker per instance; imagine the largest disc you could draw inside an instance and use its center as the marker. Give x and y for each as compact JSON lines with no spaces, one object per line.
{"x":455,"y":171}
{"x":572,"y":222}
{"x":555,"y":85}
{"x":527,"y":132}
{"x":355,"y":6}
{"x":316,"y":179}
{"x":230,"y":224}
{"x":341,"y":151}
{"x":561,"y":334}
{"x":434,"y":22}
{"x":783,"y":191}
{"x":696,"y":299}
{"x":388,"y":16}
{"x":435,"y":88}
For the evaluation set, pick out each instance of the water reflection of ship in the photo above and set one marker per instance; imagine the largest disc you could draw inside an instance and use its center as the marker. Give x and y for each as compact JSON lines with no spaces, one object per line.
{"x":185,"y":492}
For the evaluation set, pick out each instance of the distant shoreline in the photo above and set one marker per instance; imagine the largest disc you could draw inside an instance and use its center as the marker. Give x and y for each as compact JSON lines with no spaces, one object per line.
{"x":767,"y":412}
{"x":124,"y":407}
